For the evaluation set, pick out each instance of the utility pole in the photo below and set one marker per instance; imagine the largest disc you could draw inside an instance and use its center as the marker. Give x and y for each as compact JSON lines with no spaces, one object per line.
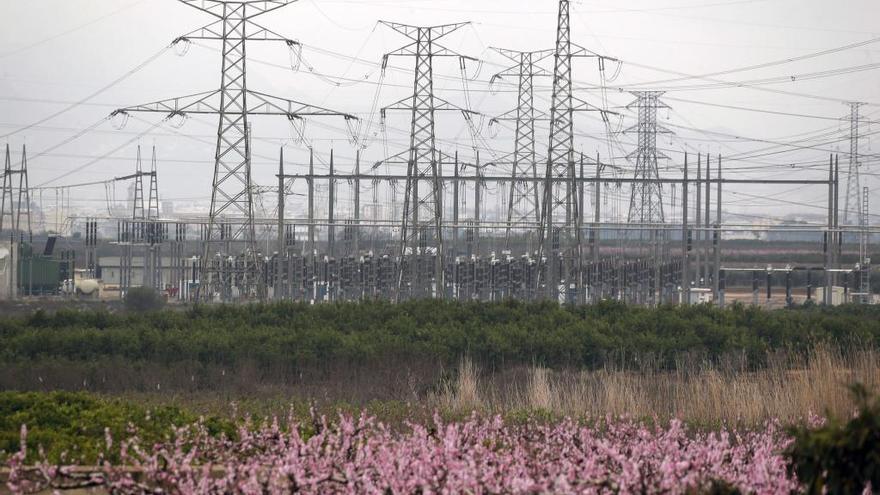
{"x":560,"y":248}
{"x":421,"y":232}
{"x":234,"y":103}
{"x":523,"y":203}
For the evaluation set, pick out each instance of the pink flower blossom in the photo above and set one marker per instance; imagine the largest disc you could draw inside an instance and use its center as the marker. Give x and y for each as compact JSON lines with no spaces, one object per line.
{"x":478,"y":455}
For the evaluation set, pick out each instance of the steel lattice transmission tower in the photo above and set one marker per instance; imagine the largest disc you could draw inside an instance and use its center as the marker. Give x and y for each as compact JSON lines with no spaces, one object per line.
{"x":559,"y":230}
{"x":853,"y":205}
{"x":421,"y":231}
{"x":524,"y":201}
{"x":15,"y":199}
{"x":646,"y":200}
{"x":232,"y":186}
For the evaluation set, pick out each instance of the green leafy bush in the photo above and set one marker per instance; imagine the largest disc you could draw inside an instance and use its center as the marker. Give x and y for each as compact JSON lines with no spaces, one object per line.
{"x":74,"y":424}
{"x":840,"y":457}
{"x":143,"y":299}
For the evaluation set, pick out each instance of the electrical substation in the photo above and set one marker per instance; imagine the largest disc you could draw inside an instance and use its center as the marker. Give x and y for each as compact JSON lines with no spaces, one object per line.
{"x":540,"y":220}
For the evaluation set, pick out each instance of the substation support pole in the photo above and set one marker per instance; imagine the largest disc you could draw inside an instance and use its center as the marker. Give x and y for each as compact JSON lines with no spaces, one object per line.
{"x":308,"y":281}
{"x":279,"y":246}
{"x":311,"y":206}
{"x":829,"y":238}
{"x":865,"y":258}
{"x":685,"y":239}
{"x":455,"y":216}
{"x":357,"y":206}
{"x":698,"y":241}
{"x":331,"y":205}
{"x":478,"y":188}
{"x":708,"y":220}
{"x":579,"y":224}
{"x":716,"y":279}
{"x":755,"y":288}
{"x":596,"y":238}
{"x":838,"y":237}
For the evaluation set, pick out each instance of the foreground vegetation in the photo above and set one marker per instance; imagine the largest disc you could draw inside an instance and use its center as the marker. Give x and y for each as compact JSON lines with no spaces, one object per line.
{"x":77,"y":424}
{"x":477,"y":454}
{"x":296,"y":336}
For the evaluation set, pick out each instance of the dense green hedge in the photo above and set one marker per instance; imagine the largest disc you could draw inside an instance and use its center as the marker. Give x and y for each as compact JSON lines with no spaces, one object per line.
{"x":292,"y":335}
{"x":73,"y":424}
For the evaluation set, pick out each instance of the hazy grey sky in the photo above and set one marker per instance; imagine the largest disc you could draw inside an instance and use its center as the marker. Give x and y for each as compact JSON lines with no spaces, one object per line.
{"x":56,"y":52}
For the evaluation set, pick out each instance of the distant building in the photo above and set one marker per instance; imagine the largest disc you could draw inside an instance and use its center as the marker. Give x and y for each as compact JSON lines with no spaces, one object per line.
{"x":110,"y":270}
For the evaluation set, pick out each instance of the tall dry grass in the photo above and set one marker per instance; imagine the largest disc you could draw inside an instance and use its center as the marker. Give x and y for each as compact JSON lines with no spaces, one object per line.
{"x":462,"y":392}
{"x":789,"y":389}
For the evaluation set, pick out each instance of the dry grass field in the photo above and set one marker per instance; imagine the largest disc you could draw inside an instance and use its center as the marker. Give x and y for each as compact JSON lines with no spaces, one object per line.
{"x":789,"y":390}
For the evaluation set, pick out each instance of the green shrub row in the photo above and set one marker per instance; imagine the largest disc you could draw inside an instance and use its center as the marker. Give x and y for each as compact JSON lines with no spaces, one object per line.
{"x":299,"y":335}
{"x":71,"y":426}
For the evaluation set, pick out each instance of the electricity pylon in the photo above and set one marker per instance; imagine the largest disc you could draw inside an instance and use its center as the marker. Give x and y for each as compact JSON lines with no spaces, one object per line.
{"x":646,"y":200}
{"x":560,"y":232}
{"x":15,"y":199}
{"x":524,"y":201}
{"x":853,"y":205}
{"x":421,"y":231}
{"x":232,"y":187}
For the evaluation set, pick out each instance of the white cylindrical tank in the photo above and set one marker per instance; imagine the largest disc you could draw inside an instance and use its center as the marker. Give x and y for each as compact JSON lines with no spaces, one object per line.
{"x":88,"y":287}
